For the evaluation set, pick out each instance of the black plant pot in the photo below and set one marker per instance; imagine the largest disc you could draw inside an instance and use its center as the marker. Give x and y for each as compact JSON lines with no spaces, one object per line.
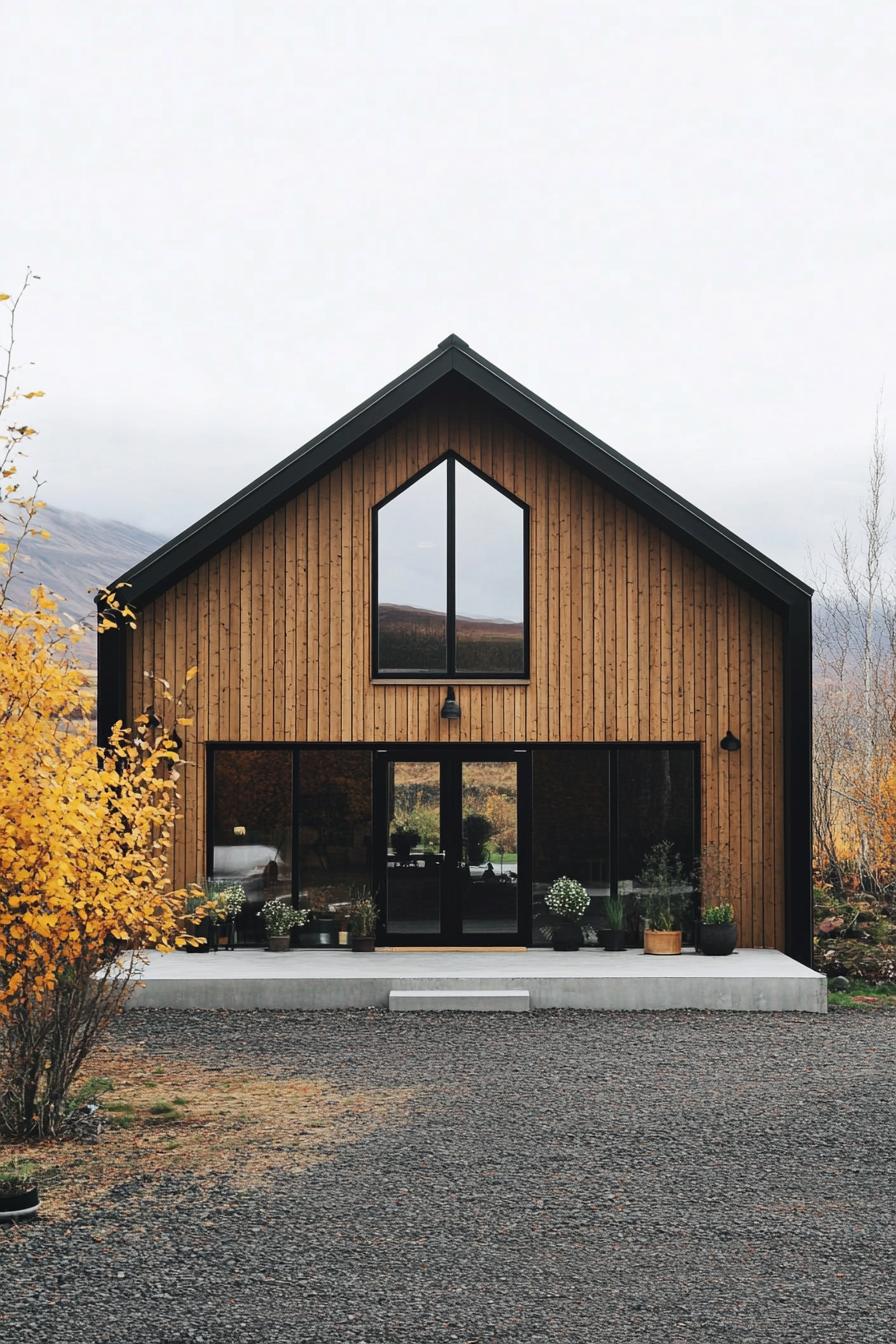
{"x":718,"y":940}
{"x":567,"y":936}
{"x":23,"y":1204}
{"x":612,"y":939}
{"x":319,"y":933}
{"x":360,"y":944}
{"x":206,"y":931}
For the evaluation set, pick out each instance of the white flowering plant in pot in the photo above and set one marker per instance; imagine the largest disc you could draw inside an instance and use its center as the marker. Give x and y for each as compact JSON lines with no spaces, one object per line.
{"x":280,"y":918}
{"x":567,"y":900}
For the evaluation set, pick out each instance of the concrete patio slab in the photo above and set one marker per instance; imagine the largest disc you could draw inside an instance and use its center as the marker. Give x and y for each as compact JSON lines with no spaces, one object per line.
{"x":752,"y":980}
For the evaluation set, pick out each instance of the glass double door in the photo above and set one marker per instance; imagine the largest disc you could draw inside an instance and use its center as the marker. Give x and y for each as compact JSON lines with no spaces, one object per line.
{"x":448,"y":851}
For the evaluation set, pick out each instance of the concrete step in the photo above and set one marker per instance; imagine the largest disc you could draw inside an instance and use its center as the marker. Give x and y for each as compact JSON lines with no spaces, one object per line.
{"x":459,"y":1000}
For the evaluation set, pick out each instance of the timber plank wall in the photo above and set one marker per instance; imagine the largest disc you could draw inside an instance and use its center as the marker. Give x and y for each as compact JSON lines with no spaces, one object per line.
{"x":634,"y":638}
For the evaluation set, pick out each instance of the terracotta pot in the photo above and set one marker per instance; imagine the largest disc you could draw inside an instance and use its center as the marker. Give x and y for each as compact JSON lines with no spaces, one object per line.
{"x":662,"y":942}
{"x":278,"y":942}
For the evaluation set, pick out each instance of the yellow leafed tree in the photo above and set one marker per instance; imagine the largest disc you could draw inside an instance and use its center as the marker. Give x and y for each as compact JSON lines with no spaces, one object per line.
{"x":84,"y":834}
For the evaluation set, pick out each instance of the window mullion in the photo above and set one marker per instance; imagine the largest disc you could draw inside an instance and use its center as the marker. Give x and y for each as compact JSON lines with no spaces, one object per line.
{"x":451,"y":632}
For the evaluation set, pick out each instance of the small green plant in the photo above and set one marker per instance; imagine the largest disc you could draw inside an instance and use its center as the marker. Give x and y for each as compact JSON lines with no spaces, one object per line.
{"x":164,"y":1110}
{"x":403,"y":839}
{"x":614,"y":911}
{"x":661,"y":882}
{"x":718,"y":914}
{"x":363,"y":913}
{"x":228,"y":898}
{"x":567,"y":899}
{"x":478,"y":831}
{"x":17,"y":1176}
{"x":280,"y":917}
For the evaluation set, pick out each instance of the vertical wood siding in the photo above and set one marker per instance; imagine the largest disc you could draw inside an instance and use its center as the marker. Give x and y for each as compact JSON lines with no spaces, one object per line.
{"x":634,"y":637}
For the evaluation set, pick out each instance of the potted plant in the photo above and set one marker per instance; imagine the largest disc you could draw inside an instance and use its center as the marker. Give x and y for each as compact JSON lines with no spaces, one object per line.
{"x":363,"y":919}
{"x":322,"y":926}
{"x":567,"y":900}
{"x":661,"y":882}
{"x":18,"y":1190}
{"x":613,"y":936}
{"x":228,"y":898}
{"x":718,"y":931}
{"x":715,"y":879}
{"x":200,"y":919}
{"x":280,"y":918}
{"x":403,"y":839}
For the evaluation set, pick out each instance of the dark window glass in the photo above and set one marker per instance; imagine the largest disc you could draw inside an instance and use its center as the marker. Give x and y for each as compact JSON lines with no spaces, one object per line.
{"x":489,"y":577}
{"x":657,"y":803}
{"x":252,"y":829}
{"x":334,"y":825}
{"x":415,"y":858}
{"x":488,"y":874}
{"x":435,"y":618}
{"x":570,"y":830}
{"x":412,"y":568}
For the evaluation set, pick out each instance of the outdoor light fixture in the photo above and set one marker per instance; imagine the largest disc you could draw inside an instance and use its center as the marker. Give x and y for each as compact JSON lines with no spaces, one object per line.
{"x":175,"y":738}
{"x":729,"y":742}
{"x":450,"y":709}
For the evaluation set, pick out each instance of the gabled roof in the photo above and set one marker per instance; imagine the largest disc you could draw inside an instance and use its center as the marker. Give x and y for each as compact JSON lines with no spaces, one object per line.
{"x":453,"y":358}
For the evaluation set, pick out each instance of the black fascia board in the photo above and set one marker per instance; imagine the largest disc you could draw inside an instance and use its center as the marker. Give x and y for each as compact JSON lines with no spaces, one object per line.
{"x":453,"y":356}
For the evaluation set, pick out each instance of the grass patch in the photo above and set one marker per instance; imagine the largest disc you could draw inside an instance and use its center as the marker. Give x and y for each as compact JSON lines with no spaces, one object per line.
{"x":242,"y":1125}
{"x":862,"y":995}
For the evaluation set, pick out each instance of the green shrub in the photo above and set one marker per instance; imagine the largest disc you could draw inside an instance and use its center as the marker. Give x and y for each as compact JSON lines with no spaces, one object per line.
{"x":872,"y":962}
{"x":718,"y":914}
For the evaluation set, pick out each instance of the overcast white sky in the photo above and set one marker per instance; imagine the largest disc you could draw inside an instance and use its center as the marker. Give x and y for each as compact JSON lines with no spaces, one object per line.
{"x":673,"y":220}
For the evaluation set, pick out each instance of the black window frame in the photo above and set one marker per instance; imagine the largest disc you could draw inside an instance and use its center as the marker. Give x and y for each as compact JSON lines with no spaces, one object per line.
{"x":451,"y":672}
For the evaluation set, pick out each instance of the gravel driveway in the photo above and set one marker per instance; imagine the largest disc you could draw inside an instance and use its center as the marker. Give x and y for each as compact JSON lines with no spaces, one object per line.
{"x":559,"y":1177}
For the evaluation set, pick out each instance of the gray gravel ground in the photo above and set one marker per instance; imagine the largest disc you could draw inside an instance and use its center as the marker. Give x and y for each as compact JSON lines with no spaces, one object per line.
{"x":560,"y":1177}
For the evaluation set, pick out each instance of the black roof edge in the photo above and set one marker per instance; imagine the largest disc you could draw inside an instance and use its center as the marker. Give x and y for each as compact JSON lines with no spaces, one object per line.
{"x":176,"y":557}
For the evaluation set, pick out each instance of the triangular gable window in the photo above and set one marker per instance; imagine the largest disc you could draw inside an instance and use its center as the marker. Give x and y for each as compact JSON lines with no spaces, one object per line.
{"x":450,"y":578}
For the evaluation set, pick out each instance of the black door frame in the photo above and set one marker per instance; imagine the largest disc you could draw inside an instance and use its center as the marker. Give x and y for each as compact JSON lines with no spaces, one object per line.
{"x":450,"y":760}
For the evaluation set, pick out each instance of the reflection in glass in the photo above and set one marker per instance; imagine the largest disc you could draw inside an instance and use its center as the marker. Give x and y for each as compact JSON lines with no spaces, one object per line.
{"x":489,"y":577}
{"x":412,"y":561}
{"x":570,"y":831}
{"x":656,"y":802}
{"x":252,"y":829}
{"x":334,"y":825}
{"x":414,"y":857}
{"x":488,"y":874}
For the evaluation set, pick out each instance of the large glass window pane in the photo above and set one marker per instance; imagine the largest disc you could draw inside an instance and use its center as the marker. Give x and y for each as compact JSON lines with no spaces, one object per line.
{"x":489,"y":577}
{"x":488,"y":874}
{"x":252,"y":829}
{"x":570,"y":831}
{"x":657,"y":804}
{"x":415,"y":858}
{"x":412,"y":560}
{"x":334,"y":825}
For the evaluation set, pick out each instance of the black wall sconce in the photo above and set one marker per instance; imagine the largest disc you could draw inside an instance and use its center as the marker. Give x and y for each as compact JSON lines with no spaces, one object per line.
{"x":450,"y":707}
{"x":729,"y":742}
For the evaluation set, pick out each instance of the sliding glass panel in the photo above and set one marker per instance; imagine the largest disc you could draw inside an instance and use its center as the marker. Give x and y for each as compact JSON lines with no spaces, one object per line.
{"x":415,"y":857}
{"x":489,"y":577}
{"x":570,"y":831}
{"x":488,"y":875}
{"x":334,"y":826}
{"x":657,"y":804}
{"x":252,"y":829}
{"x":412,"y":582}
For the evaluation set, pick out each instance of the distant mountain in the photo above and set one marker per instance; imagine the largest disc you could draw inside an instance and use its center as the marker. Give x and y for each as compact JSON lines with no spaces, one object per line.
{"x":82,"y":553}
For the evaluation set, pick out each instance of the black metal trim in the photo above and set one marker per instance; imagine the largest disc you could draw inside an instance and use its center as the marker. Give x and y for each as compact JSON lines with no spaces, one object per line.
{"x":450,"y":673}
{"x":798,"y":905}
{"x":110,"y":681}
